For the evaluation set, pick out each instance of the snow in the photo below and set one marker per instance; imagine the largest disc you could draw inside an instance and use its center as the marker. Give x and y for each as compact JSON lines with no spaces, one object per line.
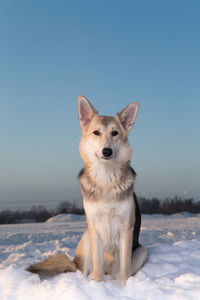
{"x":171,"y":272}
{"x":62,"y":218}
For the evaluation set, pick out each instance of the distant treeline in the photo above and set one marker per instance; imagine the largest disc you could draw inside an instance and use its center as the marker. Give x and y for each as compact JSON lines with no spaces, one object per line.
{"x":147,"y":206}
{"x":169,"y":206}
{"x":38,"y":213}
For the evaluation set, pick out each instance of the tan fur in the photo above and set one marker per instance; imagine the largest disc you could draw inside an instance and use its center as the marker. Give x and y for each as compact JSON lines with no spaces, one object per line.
{"x":107,"y":187}
{"x":58,"y":263}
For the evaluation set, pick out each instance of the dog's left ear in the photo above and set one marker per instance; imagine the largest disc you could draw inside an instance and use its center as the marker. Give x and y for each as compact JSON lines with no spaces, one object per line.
{"x":128,"y":115}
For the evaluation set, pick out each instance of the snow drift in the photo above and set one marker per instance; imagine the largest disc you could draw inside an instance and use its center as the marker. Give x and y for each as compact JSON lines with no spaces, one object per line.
{"x":172,"y":270}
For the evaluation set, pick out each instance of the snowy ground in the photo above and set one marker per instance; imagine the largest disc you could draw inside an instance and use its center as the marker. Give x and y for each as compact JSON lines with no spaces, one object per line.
{"x":172,"y":270}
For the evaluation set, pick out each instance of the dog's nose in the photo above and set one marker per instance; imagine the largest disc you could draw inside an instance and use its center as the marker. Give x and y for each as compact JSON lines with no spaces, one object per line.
{"x":107,"y":152}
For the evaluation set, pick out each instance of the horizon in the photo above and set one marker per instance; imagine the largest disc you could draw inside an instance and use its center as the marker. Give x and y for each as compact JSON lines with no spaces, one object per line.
{"x":147,"y":206}
{"x":113,"y":53}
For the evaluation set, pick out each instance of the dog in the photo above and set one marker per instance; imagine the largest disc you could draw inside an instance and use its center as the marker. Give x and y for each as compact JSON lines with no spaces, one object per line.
{"x":110,"y":245}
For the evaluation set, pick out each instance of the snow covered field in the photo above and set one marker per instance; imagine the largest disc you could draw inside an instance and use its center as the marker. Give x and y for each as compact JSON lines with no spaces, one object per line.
{"x":172,"y":270}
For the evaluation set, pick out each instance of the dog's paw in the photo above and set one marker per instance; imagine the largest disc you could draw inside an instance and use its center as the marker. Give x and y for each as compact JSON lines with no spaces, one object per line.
{"x":98,"y":277}
{"x":123,"y":280}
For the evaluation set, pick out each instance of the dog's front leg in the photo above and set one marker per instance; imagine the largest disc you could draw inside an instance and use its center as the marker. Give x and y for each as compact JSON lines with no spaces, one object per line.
{"x":97,"y":253}
{"x":126,"y":236}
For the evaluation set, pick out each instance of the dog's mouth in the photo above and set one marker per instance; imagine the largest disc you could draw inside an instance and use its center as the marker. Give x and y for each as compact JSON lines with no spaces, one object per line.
{"x":104,"y":157}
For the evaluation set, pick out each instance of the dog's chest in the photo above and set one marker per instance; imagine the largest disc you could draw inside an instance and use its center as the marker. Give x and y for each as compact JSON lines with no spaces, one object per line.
{"x":109,"y":219}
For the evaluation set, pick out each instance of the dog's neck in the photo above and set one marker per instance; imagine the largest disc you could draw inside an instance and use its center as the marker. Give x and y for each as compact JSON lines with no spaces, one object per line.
{"x":103,"y":178}
{"x":104,"y":173}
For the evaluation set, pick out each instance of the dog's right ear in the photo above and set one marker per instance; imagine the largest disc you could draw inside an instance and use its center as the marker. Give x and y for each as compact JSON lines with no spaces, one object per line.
{"x":86,"y":111}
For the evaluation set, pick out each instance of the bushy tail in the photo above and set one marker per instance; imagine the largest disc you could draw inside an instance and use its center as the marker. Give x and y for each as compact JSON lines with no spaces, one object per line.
{"x":56,"y":264}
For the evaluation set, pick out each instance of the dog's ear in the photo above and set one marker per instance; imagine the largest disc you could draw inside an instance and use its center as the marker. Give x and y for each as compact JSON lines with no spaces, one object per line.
{"x":128,"y":115}
{"x":86,"y":111}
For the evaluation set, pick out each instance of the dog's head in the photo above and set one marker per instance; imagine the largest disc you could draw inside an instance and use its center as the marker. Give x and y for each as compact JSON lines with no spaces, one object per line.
{"x":104,"y":138}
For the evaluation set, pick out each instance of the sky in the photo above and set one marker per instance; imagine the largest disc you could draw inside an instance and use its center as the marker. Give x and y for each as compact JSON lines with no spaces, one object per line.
{"x":114,"y":53}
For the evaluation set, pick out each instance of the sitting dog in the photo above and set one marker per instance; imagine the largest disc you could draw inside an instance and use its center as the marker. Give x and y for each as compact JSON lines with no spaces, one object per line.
{"x":110,"y":245}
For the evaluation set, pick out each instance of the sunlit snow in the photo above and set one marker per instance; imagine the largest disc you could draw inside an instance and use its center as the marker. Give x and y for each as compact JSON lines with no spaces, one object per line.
{"x":171,"y":272}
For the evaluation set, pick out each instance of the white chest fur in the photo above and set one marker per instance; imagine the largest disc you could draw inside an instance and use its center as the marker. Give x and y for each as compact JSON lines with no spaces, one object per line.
{"x":109,"y":219}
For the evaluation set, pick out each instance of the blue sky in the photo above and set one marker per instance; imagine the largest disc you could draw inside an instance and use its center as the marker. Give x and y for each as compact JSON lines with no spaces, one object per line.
{"x":114,"y":53}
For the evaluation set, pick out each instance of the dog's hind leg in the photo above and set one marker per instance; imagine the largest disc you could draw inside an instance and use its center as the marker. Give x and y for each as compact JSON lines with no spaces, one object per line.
{"x":83,"y":255}
{"x":139,"y":257}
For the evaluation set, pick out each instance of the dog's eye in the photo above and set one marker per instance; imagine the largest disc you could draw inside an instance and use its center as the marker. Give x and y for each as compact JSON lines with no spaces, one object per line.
{"x":96,"y":132}
{"x":114,"y":133}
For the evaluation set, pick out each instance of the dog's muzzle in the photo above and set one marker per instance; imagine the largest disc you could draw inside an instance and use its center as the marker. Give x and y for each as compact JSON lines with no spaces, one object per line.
{"x":107,"y":152}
